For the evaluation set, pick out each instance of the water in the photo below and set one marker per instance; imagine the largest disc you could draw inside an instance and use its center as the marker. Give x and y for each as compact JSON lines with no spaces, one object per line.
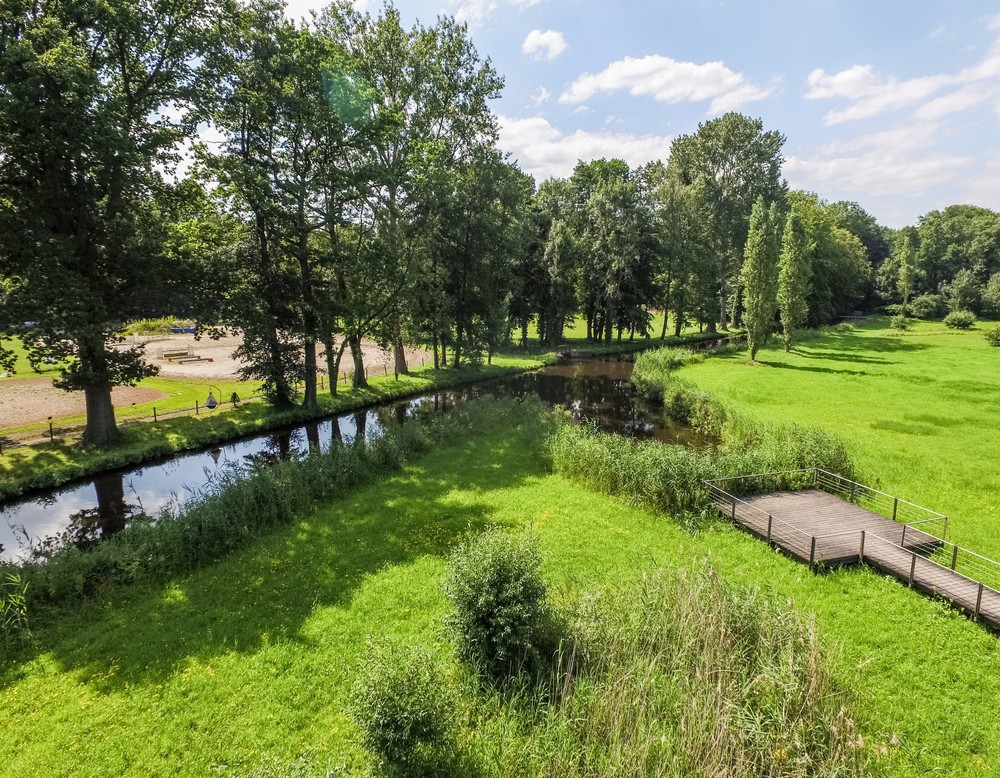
{"x":86,"y":511}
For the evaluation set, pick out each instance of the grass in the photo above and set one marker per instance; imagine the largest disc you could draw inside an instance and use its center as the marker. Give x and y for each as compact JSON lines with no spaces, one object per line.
{"x":916,"y":410}
{"x":247,"y":666}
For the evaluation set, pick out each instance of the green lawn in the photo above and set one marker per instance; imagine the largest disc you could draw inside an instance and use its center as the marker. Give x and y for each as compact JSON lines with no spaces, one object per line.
{"x":248,"y":664}
{"x":917,"y":410}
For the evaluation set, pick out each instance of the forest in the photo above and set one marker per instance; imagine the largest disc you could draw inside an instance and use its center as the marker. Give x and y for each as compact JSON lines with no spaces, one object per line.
{"x":314,"y":184}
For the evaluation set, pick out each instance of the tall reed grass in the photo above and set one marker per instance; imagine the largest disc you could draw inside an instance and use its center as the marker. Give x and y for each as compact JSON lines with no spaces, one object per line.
{"x":679,"y":676}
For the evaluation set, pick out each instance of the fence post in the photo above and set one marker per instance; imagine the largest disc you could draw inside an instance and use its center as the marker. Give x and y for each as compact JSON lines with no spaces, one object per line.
{"x":954,"y":558}
{"x":861,"y":552}
{"x":812,"y":552}
{"x":195,"y":407}
{"x":52,"y":437}
{"x":769,"y":518}
{"x":913,"y":566}
{"x":154,"y":413}
{"x":895,"y":506}
{"x":979,"y":602}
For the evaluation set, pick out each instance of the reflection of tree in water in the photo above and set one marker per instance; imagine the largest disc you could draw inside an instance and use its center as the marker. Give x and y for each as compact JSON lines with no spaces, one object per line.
{"x":279,"y":448}
{"x":312,"y":435}
{"x":361,"y":426}
{"x":91,"y":525}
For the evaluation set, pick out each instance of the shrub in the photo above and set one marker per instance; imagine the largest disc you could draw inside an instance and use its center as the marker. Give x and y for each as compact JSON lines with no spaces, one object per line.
{"x":651,"y":366}
{"x":928,"y":306}
{"x":993,"y":336}
{"x":899,"y":323}
{"x":960,"y":320}
{"x":500,"y":617}
{"x":405,"y":706}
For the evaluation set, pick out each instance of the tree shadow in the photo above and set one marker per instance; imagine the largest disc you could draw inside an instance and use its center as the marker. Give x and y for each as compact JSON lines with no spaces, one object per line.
{"x":813,"y":368}
{"x":264,"y":593}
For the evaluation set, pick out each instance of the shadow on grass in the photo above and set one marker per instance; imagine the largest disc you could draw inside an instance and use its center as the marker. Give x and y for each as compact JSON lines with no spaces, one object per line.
{"x":811,"y":368}
{"x":264,"y":593}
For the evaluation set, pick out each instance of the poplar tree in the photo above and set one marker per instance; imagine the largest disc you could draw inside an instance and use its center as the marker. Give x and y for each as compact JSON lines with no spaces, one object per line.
{"x":794,"y":277}
{"x":760,"y":275}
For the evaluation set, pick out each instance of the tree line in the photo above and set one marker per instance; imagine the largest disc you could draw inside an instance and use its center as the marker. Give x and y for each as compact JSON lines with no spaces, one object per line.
{"x":316,"y":184}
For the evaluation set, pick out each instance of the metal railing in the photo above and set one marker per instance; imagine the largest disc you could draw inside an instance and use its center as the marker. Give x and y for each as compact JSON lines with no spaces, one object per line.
{"x":882,"y":503}
{"x":981,"y":574}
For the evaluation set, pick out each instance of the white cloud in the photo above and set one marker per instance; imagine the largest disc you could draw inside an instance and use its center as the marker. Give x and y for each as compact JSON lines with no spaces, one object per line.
{"x":870,"y":94}
{"x":524,"y":3}
{"x":475,"y":12}
{"x":669,"y":81}
{"x":544,"y":45}
{"x":543,"y":95}
{"x":546,"y":152}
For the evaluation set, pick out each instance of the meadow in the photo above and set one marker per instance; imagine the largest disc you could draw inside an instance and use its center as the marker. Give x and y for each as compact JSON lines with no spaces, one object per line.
{"x":247,"y":666}
{"x":917,"y":410}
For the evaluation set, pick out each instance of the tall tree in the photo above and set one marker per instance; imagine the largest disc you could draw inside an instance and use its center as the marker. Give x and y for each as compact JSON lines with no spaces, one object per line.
{"x":905,"y":256}
{"x":760,"y":275}
{"x":794,"y":275}
{"x":95,"y":96}
{"x":735,"y":161}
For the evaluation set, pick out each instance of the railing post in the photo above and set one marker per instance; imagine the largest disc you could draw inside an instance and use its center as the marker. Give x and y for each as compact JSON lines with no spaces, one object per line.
{"x":979,"y":602}
{"x":895,"y":506}
{"x":812,"y":552}
{"x":854,"y":486}
{"x":861,"y":552}
{"x":944,"y":529}
{"x":814,"y":476}
{"x":913,"y":565}
{"x":902,"y":540}
{"x":734,"y":509}
{"x":769,"y":518}
{"x":954,"y":558}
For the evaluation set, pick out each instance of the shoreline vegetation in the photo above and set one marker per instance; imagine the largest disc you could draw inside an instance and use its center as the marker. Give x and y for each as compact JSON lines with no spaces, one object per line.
{"x":47,"y":465}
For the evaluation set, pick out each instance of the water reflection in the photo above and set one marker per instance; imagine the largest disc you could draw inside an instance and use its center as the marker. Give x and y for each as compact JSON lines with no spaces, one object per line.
{"x":86,"y":512}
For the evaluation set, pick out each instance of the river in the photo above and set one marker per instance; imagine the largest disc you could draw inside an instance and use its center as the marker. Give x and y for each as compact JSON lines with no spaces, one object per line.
{"x":86,"y":511}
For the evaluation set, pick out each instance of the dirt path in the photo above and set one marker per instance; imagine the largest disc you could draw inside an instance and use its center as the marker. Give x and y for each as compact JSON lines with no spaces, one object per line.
{"x":27,"y":400}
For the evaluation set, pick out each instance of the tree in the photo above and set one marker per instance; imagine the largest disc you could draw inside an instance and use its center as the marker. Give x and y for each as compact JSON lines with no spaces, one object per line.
{"x":760,"y":275}
{"x":905,"y":255}
{"x":793,"y":276}
{"x":95,"y":101}
{"x":735,"y":161}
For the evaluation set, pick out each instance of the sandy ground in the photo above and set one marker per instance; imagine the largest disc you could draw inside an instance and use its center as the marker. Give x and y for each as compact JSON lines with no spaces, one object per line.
{"x":27,"y":400}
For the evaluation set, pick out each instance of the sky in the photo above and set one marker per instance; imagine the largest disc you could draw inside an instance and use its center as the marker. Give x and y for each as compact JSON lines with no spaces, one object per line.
{"x":892,"y":104}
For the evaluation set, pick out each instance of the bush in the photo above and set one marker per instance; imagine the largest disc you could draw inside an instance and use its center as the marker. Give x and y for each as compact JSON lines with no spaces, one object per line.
{"x":899,"y":323}
{"x":13,"y":609}
{"x":500,"y":619}
{"x":405,"y":705}
{"x":993,"y":336}
{"x":928,"y":306}
{"x":651,"y":366}
{"x":960,"y":320}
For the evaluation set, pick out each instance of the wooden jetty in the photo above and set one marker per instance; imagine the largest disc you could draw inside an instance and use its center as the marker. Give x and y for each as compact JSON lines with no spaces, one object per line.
{"x":823,"y":519}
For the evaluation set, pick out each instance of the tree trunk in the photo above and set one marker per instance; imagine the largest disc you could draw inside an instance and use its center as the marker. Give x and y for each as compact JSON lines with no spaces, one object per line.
{"x":524,"y":332}
{"x":609,"y":317}
{"x":101,"y":429}
{"x":723,"y":312}
{"x":399,"y":352}
{"x":332,"y":363}
{"x":360,"y":381}
{"x":437,"y":358}
{"x":309,"y":397}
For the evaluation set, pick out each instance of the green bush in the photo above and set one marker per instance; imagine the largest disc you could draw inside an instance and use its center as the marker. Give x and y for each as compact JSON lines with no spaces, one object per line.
{"x":899,"y":323}
{"x":405,"y":706}
{"x":993,"y":336}
{"x":928,"y":306}
{"x":500,"y":617}
{"x":960,"y":320}
{"x":13,"y":610}
{"x":650,"y":366}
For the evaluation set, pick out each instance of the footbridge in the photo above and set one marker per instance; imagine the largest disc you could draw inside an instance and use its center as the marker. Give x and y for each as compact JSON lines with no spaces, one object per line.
{"x":824,"y":519}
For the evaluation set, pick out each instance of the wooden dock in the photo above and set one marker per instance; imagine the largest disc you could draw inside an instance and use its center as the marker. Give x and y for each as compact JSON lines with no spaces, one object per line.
{"x":827,"y":527}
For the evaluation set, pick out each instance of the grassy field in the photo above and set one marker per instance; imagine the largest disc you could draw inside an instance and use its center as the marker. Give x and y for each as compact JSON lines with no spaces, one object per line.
{"x":917,"y":410}
{"x":248,"y":665}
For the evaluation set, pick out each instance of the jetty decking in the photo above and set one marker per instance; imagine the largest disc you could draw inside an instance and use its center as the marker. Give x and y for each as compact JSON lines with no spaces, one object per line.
{"x":824,"y":520}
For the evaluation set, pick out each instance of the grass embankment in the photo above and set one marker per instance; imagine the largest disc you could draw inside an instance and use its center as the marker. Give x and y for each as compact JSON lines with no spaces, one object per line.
{"x":916,"y":409}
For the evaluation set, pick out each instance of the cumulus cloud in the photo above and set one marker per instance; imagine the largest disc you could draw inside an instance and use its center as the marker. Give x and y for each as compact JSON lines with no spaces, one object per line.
{"x":870,"y":94}
{"x":669,"y":81}
{"x":546,"y":152}
{"x":544,"y":45}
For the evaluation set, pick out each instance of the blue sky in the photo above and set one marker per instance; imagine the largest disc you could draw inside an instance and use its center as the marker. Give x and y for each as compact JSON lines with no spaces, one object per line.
{"x":895,"y":105}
